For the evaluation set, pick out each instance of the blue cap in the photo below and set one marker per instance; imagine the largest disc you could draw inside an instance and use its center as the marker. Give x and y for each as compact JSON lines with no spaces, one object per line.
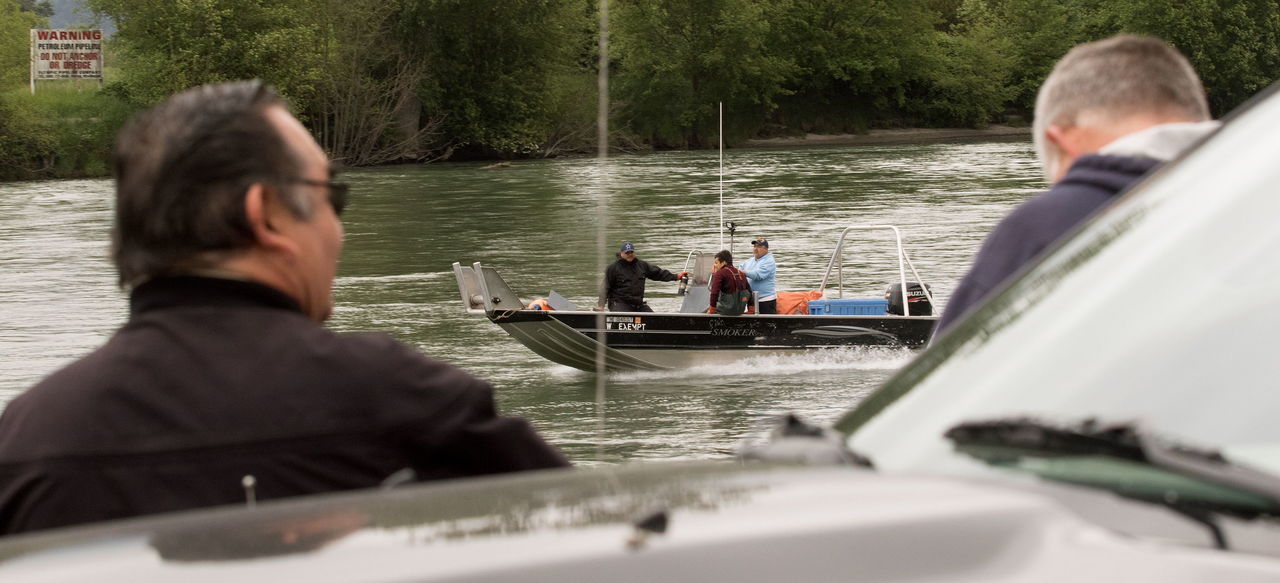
{"x":627,"y":247}
{"x":761,"y":241}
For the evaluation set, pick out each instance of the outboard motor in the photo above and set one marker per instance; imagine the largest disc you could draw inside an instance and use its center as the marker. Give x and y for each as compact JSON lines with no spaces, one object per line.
{"x":919,"y":301}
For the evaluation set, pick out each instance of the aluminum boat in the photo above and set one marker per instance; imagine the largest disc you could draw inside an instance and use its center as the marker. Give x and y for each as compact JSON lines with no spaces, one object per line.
{"x":563,"y":333}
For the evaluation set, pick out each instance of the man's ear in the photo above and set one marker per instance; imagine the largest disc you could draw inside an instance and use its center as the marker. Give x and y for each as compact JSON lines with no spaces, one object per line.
{"x":1064,"y":146}
{"x":1062,"y":139}
{"x":263,"y":211}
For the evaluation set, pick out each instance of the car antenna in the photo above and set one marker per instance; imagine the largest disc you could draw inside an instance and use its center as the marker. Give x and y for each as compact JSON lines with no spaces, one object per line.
{"x":250,"y":497}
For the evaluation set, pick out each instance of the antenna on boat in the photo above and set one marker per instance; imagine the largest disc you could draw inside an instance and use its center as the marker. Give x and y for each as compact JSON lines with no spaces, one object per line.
{"x":602,"y":213}
{"x":721,"y":132}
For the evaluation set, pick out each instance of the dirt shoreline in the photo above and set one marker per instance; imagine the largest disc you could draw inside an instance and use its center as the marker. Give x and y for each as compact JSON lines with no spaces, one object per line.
{"x":903,"y":136}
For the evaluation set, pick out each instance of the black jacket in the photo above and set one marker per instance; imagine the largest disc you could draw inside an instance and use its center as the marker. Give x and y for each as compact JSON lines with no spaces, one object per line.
{"x":1092,"y":181}
{"x":212,"y":380}
{"x":624,"y":281}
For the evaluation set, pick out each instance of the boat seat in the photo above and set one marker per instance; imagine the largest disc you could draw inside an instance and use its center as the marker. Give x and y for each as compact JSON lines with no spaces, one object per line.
{"x":558,"y":302}
{"x":696,"y":299}
{"x":698,"y":293}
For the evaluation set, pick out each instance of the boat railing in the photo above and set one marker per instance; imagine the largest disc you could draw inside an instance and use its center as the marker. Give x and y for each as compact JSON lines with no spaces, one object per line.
{"x":698,"y":265}
{"x":904,"y":262}
{"x":469,"y":288}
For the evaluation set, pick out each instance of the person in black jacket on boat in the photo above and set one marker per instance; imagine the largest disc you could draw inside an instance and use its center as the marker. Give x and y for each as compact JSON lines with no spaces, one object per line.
{"x":623,"y":287}
{"x":1109,"y":113}
{"x":223,"y":386}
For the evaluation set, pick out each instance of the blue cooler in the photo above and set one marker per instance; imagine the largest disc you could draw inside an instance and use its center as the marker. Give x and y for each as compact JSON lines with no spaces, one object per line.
{"x":842,"y":307}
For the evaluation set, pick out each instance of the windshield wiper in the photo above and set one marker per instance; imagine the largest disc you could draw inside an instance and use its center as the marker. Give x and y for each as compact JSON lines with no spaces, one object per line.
{"x":1196,"y":482}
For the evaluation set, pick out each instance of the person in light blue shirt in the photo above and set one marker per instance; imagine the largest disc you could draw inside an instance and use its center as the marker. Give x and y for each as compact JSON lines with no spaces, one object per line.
{"x":761,"y":272}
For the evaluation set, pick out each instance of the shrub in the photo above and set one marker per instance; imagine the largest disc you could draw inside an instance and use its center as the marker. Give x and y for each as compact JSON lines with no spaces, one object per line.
{"x":58,"y":133}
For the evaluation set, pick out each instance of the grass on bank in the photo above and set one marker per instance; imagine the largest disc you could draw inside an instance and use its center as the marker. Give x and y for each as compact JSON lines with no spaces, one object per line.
{"x":64,"y":130}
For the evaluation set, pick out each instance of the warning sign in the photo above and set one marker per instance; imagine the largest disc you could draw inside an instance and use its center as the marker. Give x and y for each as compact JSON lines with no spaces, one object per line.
{"x":66,"y":54}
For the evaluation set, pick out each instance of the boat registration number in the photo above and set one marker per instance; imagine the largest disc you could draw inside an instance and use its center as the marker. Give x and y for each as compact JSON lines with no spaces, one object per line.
{"x":624,"y":323}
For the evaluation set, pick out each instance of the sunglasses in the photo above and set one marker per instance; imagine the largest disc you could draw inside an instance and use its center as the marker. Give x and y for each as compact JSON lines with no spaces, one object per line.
{"x":337,"y":191}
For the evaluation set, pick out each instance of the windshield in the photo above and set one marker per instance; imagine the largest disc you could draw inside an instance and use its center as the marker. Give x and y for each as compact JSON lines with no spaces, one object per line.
{"x":1163,"y":310}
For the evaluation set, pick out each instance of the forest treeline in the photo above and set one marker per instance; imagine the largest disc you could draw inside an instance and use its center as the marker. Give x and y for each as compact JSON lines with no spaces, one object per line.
{"x":381,"y":81}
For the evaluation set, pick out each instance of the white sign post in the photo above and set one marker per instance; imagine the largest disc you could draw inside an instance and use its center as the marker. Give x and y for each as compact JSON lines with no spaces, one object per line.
{"x":65,"y":54}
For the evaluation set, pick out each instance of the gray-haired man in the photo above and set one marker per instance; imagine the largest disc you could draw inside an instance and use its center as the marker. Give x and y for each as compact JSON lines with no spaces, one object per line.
{"x":1110,"y":111}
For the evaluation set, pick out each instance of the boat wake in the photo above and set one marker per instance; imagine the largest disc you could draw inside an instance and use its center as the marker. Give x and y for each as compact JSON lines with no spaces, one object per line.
{"x":836,"y":359}
{"x":409,"y":277}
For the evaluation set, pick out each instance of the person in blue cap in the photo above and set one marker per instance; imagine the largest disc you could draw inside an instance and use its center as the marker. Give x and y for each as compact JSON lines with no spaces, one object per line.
{"x":762,"y":275}
{"x":623,"y":287}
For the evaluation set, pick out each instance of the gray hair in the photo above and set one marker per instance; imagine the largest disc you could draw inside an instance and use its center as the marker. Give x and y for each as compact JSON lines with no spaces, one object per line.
{"x":1117,"y":77}
{"x":182,"y":169}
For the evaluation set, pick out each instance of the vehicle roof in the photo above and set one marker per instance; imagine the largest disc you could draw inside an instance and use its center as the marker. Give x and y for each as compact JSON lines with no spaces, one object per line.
{"x":727,"y":521}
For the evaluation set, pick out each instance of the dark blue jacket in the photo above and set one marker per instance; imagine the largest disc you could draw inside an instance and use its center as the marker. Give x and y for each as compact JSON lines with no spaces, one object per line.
{"x":1092,"y":181}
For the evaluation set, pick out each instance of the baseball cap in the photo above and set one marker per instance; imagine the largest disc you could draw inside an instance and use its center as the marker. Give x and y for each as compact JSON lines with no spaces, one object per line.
{"x":627,"y":247}
{"x":761,"y":241}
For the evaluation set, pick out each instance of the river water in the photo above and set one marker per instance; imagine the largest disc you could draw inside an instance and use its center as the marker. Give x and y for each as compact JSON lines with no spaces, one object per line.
{"x":536,"y":221}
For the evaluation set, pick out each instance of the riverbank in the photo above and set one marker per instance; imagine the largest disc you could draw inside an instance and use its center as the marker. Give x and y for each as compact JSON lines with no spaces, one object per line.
{"x":894,"y":136}
{"x":88,"y":166}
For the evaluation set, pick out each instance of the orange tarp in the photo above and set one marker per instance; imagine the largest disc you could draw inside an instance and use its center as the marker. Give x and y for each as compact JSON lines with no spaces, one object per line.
{"x":796,"y":302}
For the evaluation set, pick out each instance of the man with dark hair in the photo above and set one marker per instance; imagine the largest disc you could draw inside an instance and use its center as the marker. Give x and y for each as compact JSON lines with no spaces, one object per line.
{"x":223,"y":379}
{"x":730,"y":292}
{"x":1109,"y":112}
{"x":622,"y":289}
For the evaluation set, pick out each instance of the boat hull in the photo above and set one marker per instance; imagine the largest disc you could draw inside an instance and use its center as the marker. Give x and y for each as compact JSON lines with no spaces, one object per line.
{"x":657,"y":341}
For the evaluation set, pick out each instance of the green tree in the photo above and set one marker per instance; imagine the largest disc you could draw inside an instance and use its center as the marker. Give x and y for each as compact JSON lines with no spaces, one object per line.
{"x":170,"y":45}
{"x":43,"y":8}
{"x":388,"y":80}
{"x":366,"y":109}
{"x":1233,"y":44}
{"x":492,"y":67}
{"x":15,"y":43}
{"x":678,"y":58}
{"x":17,"y":124}
{"x":856,"y":61}
{"x":966,"y":80}
{"x":1035,"y":34}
